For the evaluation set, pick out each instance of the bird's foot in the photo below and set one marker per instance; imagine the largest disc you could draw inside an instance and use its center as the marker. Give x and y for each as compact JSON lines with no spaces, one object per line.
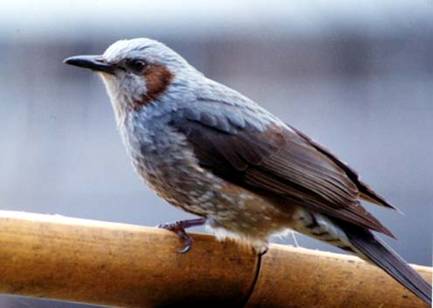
{"x":179,"y":227}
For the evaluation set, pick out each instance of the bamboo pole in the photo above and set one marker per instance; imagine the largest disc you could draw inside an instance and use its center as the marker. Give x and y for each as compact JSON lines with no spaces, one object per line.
{"x":116,"y":264}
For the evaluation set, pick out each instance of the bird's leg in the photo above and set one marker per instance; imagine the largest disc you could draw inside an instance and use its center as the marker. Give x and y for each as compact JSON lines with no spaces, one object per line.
{"x":179,"y":227}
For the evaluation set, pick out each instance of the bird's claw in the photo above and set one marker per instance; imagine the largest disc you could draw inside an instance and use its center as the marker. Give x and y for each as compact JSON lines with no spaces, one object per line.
{"x":178,"y":228}
{"x":187,"y":245}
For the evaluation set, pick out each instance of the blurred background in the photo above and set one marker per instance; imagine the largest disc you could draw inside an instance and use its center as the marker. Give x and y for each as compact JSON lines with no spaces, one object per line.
{"x":354,"y":75}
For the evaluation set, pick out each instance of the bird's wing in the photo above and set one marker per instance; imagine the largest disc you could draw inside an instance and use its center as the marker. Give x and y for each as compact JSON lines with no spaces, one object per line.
{"x":365,"y":191}
{"x":266,"y":156}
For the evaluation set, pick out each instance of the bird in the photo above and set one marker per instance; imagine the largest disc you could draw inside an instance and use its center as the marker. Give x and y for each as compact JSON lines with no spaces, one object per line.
{"x":212,"y":152}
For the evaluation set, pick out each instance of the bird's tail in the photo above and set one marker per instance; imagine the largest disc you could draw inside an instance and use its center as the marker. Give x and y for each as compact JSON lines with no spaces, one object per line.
{"x":383,"y":256}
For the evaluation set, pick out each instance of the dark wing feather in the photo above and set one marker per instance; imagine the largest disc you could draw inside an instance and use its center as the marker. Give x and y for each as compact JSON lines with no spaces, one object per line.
{"x":366,"y":192}
{"x":276,"y":162}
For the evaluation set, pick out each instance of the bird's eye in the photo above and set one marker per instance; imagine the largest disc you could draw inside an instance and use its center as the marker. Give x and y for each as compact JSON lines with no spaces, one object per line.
{"x":136,"y":66}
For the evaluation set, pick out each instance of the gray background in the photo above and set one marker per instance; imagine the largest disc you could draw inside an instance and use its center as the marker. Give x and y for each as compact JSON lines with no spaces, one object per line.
{"x":354,"y":75}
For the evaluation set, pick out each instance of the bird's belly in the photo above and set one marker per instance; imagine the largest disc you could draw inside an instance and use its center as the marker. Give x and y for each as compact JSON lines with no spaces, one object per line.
{"x":247,"y":214}
{"x":183,"y":183}
{"x":171,"y":170}
{"x":178,"y":182}
{"x":226,"y":206}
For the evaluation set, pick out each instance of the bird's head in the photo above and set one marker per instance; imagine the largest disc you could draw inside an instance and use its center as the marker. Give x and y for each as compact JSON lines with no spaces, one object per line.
{"x":136,"y":72}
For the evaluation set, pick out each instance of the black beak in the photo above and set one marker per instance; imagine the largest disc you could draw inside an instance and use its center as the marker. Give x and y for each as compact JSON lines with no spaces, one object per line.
{"x":95,"y":63}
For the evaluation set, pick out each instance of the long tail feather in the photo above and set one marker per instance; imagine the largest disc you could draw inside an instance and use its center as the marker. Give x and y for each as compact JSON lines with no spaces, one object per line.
{"x":383,"y":256}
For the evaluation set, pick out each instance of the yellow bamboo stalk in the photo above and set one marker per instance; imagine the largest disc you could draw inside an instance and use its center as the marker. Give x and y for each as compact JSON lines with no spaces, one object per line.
{"x":104,"y":263}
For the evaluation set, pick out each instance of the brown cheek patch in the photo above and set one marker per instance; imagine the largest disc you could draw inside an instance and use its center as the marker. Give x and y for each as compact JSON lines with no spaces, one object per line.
{"x":158,"y":78}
